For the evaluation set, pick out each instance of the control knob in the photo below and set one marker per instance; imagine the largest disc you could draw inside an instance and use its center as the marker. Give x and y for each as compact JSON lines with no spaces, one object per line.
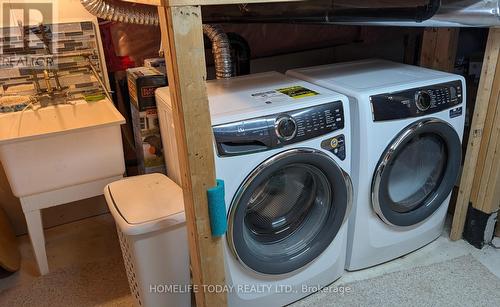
{"x":285,"y":127}
{"x":423,"y":100}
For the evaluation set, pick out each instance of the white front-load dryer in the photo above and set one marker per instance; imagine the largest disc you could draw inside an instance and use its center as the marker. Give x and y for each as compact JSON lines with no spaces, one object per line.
{"x":282,"y":147}
{"x":407,"y":124}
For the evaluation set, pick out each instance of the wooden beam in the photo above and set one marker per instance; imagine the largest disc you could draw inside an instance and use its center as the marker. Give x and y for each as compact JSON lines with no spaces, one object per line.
{"x":148,"y":2}
{"x":219,"y":2}
{"x":170,"y":3}
{"x":182,"y":39}
{"x":439,"y":48}
{"x":489,"y":71}
{"x":484,"y":194}
{"x":491,"y":201}
{"x":428,"y":49}
{"x":488,"y":126}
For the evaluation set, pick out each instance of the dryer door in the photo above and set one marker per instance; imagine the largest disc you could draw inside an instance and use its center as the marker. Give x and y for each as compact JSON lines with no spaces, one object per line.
{"x":288,"y":211}
{"x":416,"y":173}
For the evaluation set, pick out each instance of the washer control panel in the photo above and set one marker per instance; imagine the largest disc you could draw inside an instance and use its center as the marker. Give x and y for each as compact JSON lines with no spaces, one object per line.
{"x":416,"y":102}
{"x":277,"y":130}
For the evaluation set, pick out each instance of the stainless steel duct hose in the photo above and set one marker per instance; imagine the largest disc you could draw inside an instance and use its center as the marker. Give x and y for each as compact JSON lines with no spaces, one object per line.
{"x":221,"y":49}
{"x":470,"y":12}
{"x":122,"y":12}
{"x":455,"y":13}
{"x":146,"y":15}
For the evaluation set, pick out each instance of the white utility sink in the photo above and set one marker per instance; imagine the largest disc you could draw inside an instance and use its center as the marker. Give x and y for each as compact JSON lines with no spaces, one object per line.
{"x":60,"y":154}
{"x":44,"y":149}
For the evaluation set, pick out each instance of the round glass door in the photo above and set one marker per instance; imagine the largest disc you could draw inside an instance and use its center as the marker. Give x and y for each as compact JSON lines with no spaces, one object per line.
{"x":417,"y":172}
{"x":288,"y":211}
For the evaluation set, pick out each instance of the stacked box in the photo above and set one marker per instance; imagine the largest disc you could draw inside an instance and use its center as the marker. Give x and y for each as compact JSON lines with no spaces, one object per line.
{"x":142,"y":83}
{"x":158,"y":63}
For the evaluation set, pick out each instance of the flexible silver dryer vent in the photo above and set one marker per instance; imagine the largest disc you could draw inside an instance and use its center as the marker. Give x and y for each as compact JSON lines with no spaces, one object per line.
{"x":122,"y":12}
{"x":221,"y":50}
{"x":147,"y":15}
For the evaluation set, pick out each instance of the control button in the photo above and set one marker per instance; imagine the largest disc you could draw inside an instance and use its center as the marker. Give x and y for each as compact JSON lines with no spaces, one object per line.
{"x":453,"y":92}
{"x":286,"y":128}
{"x":423,"y":100}
{"x":334,"y":143}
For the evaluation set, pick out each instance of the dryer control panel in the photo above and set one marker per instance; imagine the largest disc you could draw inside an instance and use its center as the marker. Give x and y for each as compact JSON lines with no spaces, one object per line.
{"x":416,"y":102}
{"x":277,"y":130}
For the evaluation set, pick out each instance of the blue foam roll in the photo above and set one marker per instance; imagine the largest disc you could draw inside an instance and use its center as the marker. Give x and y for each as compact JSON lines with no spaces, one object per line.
{"x":217,"y":209}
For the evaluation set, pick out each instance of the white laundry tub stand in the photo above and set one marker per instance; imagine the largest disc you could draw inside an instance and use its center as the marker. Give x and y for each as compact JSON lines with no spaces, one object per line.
{"x":60,"y":154}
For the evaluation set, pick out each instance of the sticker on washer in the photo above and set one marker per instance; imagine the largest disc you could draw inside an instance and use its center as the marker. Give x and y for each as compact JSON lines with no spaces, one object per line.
{"x":456,"y":112}
{"x":297,"y":92}
{"x":272,"y":96}
{"x":284,"y":94}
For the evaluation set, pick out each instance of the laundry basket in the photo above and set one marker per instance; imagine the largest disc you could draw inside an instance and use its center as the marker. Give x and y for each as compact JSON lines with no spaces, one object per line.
{"x":149,"y":215}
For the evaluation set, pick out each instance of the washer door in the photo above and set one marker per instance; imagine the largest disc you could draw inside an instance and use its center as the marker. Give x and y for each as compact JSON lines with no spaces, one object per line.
{"x":416,"y":173}
{"x":288,"y":211}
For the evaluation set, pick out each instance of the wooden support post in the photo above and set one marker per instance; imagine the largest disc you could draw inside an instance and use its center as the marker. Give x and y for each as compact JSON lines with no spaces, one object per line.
{"x":486,"y":182}
{"x":485,"y":194}
{"x":489,"y":73}
{"x":439,"y":48}
{"x":182,"y":39}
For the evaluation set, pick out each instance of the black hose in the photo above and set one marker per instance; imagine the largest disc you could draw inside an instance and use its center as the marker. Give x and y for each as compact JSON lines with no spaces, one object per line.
{"x":319,"y":12}
{"x":241,"y":54}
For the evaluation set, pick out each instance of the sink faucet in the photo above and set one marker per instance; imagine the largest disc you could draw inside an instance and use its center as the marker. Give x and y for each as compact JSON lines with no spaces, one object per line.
{"x":46,"y":77}
{"x":33,"y":73}
{"x":34,"y":79}
{"x":42,"y":34}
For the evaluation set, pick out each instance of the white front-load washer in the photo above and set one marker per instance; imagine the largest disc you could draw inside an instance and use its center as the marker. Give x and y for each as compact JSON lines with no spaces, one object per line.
{"x":282,"y":147}
{"x":407,"y":124}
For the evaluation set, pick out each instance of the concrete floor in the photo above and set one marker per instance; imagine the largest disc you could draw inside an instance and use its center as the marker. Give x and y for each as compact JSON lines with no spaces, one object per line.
{"x":88,"y":240}
{"x":94,"y":239}
{"x":440,"y":250}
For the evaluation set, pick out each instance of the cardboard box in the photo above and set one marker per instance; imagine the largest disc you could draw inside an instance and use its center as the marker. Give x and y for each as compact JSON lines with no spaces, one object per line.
{"x":148,"y":144}
{"x":142,"y":83}
{"x":157,"y":63}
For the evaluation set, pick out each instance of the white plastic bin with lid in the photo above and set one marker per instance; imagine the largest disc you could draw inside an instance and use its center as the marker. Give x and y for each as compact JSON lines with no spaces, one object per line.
{"x":149,"y":215}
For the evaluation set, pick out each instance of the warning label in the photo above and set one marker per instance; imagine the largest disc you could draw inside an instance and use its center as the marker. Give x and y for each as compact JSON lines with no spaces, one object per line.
{"x":271,"y":97}
{"x":297,"y":92}
{"x":284,"y":94}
